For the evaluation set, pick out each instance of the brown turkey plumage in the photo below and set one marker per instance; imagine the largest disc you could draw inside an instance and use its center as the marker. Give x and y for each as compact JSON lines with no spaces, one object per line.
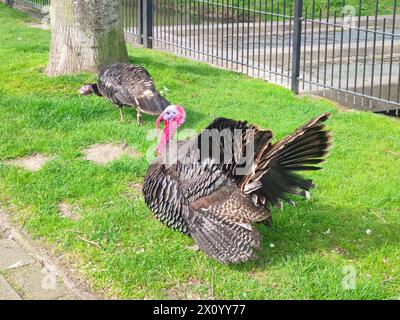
{"x":190,"y":186}
{"x":128,"y":85}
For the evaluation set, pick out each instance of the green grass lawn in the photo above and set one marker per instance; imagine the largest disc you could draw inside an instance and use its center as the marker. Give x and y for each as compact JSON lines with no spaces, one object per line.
{"x":317,"y":245}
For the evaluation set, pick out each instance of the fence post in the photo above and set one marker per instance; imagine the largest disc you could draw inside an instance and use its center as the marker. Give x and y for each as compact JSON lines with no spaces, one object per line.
{"x":139,"y":24}
{"x":296,"y":52}
{"x":147,"y":23}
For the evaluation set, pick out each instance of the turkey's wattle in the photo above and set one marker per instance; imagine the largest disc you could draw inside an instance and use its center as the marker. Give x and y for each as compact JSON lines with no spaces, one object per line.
{"x":173,"y":117}
{"x":210,"y":201}
{"x":128,"y":85}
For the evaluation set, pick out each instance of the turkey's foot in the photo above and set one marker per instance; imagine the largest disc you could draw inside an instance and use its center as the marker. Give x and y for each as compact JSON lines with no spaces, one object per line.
{"x":306,"y":194}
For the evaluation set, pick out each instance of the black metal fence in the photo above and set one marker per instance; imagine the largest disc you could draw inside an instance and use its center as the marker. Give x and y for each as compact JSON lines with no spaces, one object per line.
{"x":36,"y":8}
{"x":354,"y":58}
{"x":34,"y":3}
{"x":348,"y":50}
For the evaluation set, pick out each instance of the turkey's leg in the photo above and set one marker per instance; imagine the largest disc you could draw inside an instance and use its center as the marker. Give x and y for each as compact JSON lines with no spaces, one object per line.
{"x":138,"y":114}
{"x":303,"y":193}
{"x":121,"y":116}
{"x":139,"y":118}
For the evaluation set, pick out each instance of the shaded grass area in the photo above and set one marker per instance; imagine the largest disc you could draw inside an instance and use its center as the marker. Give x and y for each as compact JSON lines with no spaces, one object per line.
{"x":317,"y":245}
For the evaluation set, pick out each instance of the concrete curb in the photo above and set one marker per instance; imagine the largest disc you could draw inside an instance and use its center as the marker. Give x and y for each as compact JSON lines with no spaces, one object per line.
{"x":76,"y":289}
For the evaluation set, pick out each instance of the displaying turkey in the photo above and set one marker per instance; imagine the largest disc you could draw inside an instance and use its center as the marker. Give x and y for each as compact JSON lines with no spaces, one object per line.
{"x":202,"y":187}
{"x":128,"y":85}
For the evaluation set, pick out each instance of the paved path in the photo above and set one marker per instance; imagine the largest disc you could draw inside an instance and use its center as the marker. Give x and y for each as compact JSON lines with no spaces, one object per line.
{"x":28,"y":272}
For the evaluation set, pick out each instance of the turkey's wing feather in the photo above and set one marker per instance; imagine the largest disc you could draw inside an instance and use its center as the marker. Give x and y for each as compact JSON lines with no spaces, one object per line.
{"x":138,"y":82}
{"x":220,"y":224}
{"x":224,"y":240}
{"x":229,"y":202}
{"x":162,"y":194}
{"x":151,"y":102}
{"x":111,"y":85}
{"x":238,"y":144}
{"x":132,"y":85}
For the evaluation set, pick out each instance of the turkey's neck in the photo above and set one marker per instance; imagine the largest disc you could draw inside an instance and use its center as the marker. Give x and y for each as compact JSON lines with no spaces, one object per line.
{"x":167,"y":135}
{"x":96,"y":89}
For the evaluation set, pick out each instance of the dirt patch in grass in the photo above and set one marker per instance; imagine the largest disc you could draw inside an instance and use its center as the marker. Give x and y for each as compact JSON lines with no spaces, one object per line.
{"x":135,"y":187}
{"x":31,"y":163}
{"x":68,"y":211}
{"x":105,"y":153}
{"x":259,"y":275}
{"x":193,"y":289}
{"x":340,"y":251}
{"x":134,"y":191}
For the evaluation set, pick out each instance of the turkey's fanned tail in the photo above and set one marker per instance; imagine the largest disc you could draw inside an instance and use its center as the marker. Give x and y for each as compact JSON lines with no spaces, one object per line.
{"x":276,"y":164}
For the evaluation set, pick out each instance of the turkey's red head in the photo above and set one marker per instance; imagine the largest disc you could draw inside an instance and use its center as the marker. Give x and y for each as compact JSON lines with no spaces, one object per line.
{"x":173,"y":117}
{"x":86,"y":89}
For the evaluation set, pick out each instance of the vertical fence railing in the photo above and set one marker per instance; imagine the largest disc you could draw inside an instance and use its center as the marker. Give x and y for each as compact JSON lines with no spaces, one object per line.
{"x":354,"y":53}
{"x":35,"y":3}
{"x":132,"y":16}
{"x":298,"y":16}
{"x":147,"y":23}
{"x":240,"y":35}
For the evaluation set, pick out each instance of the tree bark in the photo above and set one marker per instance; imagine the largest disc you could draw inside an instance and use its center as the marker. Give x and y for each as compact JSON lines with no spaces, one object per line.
{"x":86,"y":36}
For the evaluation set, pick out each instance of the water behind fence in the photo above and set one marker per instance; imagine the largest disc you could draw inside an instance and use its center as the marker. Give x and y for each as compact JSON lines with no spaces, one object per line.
{"x":348,"y":51}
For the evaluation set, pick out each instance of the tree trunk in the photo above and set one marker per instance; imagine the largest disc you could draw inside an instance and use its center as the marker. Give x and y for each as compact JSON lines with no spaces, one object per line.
{"x":86,"y":35}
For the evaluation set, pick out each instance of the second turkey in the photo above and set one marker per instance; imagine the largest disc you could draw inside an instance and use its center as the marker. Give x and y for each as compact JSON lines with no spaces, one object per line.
{"x":128,"y":85}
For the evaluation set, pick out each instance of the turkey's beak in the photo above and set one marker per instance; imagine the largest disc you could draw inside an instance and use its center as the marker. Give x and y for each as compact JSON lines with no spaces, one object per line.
{"x":83,"y":91}
{"x":160,"y":117}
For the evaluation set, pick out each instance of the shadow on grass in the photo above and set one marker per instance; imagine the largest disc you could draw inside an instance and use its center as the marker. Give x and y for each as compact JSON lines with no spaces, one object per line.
{"x":316,"y":228}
